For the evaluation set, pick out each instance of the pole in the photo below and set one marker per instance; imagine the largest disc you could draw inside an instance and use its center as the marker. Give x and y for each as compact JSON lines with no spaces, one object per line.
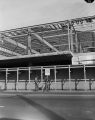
{"x":85,"y":76}
{"x":17,"y":78}
{"x":55,"y":76}
{"x":69,"y":78}
{"x":29,"y":74}
{"x":69,"y":37}
{"x":6,"y":79}
{"x":41,"y":73}
{"x":76,"y":38}
{"x":29,"y":42}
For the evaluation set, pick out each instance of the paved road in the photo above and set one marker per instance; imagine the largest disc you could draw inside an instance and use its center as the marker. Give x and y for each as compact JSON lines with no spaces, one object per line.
{"x":20,"y":107}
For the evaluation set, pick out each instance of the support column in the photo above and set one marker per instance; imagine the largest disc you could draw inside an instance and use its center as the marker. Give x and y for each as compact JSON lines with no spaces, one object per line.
{"x":55,"y":76}
{"x":69,"y":78}
{"x":29,"y":42}
{"x":29,"y":74}
{"x":6,"y":80}
{"x":76,"y":39}
{"x":41,"y":73}
{"x":85,"y":77}
{"x":69,"y":37}
{"x":17,"y":78}
{"x":15,"y":81}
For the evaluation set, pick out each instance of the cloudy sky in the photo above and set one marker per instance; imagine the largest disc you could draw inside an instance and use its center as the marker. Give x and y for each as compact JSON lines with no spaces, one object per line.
{"x":21,"y":13}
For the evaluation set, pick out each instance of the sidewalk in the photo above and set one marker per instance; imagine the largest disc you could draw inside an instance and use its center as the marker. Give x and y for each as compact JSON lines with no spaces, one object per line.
{"x":47,"y":93}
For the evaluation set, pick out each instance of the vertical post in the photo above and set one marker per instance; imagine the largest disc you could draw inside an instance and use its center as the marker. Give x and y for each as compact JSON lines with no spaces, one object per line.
{"x":41,"y":73}
{"x":26,"y":81}
{"x":69,"y":36}
{"x":6,"y":79}
{"x":29,"y":74}
{"x":85,"y":76}
{"x":29,"y":42}
{"x":55,"y":76}
{"x":76,"y":38}
{"x":17,"y":78}
{"x":69,"y":78}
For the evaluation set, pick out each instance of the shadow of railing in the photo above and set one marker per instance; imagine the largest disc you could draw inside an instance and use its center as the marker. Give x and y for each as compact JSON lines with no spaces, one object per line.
{"x":9,"y":119}
{"x":48,"y":113}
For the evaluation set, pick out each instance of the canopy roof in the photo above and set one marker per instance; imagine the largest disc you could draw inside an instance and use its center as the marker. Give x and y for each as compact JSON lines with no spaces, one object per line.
{"x":46,"y":38}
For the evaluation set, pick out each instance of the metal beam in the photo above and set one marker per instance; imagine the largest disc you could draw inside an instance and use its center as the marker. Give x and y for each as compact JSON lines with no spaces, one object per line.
{"x":10,"y":52}
{"x":26,"y":34}
{"x":18,"y":44}
{"x":14,"y":42}
{"x":60,"y":35}
{"x":69,"y":42}
{"x":30,"y":50}
{"x":45,"y":42}
{"x":2,"y":56}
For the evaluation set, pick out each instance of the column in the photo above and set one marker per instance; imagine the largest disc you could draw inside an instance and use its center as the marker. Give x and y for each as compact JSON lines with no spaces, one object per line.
{"x":55,"y":76}
{"x":41,"y":73}
{"x":85,"y":77}
{"x":69,"y":37}
{"x":29,"y":42}
{"x":6,"y":79}
{"x":76,"y":39}
{"x":29,"y":74}
{"x":69,"y":78}
{"x":17,"y":78}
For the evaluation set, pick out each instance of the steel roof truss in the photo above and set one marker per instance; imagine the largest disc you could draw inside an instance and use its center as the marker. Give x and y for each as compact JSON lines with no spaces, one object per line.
{"x":45,"y":42}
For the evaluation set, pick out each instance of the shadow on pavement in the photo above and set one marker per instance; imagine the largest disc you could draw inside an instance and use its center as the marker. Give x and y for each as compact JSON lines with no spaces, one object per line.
{"x":9,"y":119}
{"x":48,"y":113}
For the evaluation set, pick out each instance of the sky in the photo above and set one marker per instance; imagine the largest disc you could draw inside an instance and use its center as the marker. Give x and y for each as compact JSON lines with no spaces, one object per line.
{"x":22,"y":13}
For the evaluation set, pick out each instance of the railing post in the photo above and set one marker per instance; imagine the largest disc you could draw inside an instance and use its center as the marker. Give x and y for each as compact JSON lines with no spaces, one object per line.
{"x":42,"y":73}
{"x":29,"y":74}
{"x":6,"y":80}
{"x":69,"y":78}
{"x":55,"y":76}
{"x":85,"y":76}
{"x":17,"y":78}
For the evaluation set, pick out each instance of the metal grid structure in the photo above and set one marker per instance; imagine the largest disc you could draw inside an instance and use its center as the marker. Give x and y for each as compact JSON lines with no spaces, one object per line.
{"x":75,"y":35}
{"x":71,"y":36}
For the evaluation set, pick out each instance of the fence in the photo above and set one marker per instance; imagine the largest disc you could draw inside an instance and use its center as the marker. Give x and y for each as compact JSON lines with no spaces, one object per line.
{"x":48,"y":78}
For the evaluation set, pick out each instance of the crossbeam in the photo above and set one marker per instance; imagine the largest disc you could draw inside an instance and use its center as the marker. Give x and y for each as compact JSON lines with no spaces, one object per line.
{"x":14,"y":42}
{"x":45,"y":42}
{"x":18,"y":44}
{"x":2,"y":56}
{"x":10,"y":52}
{"x":30,"y":50}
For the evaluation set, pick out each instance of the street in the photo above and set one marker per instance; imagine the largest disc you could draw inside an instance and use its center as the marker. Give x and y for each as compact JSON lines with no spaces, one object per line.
{"x":21,"y":107}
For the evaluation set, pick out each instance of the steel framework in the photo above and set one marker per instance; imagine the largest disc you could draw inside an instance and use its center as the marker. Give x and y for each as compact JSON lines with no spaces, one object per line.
{"x":59,"y":36}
